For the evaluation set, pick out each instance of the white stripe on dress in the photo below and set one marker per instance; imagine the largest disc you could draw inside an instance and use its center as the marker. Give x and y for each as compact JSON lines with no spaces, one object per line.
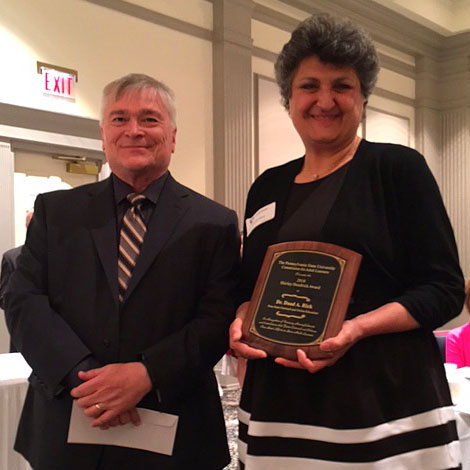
{"x":433,"y":458}
{"x":424,"y":420}
{"x":241,"y":450}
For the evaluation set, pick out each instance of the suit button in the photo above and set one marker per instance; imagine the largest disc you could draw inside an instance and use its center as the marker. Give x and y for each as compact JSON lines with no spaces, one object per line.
{"x":106,"y":343}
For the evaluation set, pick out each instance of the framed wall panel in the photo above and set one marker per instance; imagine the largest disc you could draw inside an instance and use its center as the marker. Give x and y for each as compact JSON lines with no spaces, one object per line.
{"x":275,"y":138}
{"x":381,"y":126}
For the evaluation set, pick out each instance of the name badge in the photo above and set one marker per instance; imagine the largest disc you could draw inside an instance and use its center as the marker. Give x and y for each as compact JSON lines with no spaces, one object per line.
{"x":265,"y":214}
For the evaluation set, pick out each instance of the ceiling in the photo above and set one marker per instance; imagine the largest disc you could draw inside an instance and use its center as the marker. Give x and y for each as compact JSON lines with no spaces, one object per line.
{"x":447,"y":17}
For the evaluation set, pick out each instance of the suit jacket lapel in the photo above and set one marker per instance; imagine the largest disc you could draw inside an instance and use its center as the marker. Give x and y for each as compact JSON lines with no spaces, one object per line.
{"x":103,"y":231}
{"x":171,"y":206}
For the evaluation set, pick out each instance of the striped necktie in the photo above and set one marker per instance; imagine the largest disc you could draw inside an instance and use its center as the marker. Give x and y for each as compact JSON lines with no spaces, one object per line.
{"x":132,"y":235}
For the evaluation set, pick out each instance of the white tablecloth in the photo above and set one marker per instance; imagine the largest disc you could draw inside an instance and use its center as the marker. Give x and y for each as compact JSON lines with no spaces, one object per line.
{"x":14,"y":372}
{"x":463,"y":429}
{"x":459,"y":384}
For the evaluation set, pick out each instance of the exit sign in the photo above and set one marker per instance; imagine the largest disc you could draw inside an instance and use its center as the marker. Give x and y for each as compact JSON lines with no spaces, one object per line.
{"x":57,"y":81}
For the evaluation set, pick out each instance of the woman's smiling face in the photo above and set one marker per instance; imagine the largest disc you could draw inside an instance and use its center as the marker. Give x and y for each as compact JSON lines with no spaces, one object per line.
{"x":326,"y":104}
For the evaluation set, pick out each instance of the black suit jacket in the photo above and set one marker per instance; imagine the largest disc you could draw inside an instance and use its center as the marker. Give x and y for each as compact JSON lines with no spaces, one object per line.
{"x":8,"y":266}
{"x":62,"y":306}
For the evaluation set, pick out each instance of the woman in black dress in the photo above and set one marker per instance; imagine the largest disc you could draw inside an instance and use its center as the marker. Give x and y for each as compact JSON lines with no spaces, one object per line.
{"x":380,"y":401}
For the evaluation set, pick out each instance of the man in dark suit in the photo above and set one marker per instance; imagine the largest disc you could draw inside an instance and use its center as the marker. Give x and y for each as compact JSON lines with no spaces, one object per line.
{"x":8,"y":266}
{"x":150,"y":340}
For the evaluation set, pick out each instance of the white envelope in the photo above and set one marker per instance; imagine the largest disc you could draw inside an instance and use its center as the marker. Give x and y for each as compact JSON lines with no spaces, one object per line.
{"x":156,"y":432}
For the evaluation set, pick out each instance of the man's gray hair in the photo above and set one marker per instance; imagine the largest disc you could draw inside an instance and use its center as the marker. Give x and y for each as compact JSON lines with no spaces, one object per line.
{"x":334,"y":41}
{"x":138,"y":81}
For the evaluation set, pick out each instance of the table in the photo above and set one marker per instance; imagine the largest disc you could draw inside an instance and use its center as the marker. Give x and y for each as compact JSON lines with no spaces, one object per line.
{"x":14,"y":372}
{"x":463,"y":430}
{"x":459,"y":384}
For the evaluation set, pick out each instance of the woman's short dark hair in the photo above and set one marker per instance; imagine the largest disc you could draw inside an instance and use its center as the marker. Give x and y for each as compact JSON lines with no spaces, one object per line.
{"x":333,"y":41}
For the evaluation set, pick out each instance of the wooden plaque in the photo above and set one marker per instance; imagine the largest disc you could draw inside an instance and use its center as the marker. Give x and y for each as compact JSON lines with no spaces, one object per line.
{"x":300,"y":297}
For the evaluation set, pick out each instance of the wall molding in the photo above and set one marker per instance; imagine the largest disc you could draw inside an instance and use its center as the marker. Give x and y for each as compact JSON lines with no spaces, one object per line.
{"x":232,"y":102}
{"x":264,"y":54}
{"x":457,"y":45}
{"x":48,"y":121}
{"x":274,"y":18}
{"x":287,"y":23}
{"x":456,"y":173}
{"x":56,"y":149}
{"x":154,"y":17}
{"x":395,"y":65}
{"x":382,"y":23}
{"x":386,"y":62}
{"x":36,"y":130}
{"x":390,"y":95}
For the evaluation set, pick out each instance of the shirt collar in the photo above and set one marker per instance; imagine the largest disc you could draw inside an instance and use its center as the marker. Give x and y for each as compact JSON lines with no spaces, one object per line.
{"x":151,"y":192}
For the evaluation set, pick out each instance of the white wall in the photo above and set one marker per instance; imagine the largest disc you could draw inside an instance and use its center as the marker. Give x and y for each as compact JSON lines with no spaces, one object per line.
{"x":387,"y":128}
{"x":38,"y":173}
{"x":279,"y":142}
{"x":394,"y":108}
{"x":196,"y":12}
{"x":102,"y":45}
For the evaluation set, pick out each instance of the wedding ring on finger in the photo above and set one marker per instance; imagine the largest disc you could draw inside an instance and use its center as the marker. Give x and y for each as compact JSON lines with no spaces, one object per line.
{"x":98,"y":407}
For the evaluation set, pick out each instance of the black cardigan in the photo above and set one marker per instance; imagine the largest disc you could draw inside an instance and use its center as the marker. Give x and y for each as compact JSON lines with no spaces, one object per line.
{"x":390,"y":210}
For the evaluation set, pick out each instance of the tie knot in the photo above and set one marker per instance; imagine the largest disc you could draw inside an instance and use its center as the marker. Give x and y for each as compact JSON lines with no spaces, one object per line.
{"x":135,"y":198}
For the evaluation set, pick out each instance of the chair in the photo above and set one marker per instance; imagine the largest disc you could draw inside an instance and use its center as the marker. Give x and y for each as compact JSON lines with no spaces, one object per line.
{"x":441,"y":342}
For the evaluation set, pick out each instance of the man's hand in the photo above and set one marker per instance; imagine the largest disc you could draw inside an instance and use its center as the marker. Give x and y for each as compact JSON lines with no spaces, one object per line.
{"x":131,"y":416}
{"x":109,"y":394}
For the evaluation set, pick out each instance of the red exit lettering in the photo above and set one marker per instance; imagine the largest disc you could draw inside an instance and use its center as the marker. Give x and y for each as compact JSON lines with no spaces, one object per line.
{"x":46,"y":81}
{"x":60,"y":84}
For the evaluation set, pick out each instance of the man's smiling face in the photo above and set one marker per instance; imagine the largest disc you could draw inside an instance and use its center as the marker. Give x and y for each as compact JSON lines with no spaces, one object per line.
{"x":138,"y":136}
